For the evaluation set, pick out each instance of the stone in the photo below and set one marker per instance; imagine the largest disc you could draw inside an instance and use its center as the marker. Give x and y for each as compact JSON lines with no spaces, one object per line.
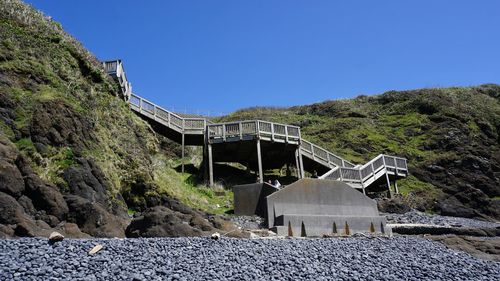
{"x":215,"y":236}
{"x":95,"y":249}
{"x":56,"y":237}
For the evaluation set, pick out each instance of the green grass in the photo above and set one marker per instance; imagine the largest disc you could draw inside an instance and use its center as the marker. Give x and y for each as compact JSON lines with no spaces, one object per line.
{"x":411,"y":184}
{"x":181,"y":186}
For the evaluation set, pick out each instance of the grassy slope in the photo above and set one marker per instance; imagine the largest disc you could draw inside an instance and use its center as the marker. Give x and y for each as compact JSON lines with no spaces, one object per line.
{"x":412,"y":124}
{"x":39,"y":62}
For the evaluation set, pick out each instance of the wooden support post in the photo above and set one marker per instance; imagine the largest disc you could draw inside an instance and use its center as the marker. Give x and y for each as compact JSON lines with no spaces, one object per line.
{"x":301,"y":163}
{"x":361,"y":179}
{"x":396,"y":186}
{"x":182,"y":156}
{"x":297,"y":165}
{"x":210,"y":165}
{"x":388,"y":184}
{"x":259,"y":160}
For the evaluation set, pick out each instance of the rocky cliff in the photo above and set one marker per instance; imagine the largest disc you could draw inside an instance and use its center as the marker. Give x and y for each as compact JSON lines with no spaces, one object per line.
{"x":73,"y":157}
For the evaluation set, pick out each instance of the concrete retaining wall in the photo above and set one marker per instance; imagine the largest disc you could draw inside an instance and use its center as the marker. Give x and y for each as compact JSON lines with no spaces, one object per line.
{"x":250,"y":199}
{"x":316,"y":205}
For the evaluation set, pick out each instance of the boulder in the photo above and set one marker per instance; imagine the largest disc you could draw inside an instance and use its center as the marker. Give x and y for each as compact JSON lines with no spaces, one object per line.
{"x":87,"y":181}
{"x":10,"y":210}
{"x":161,"y":221}
{"x":26,"y":227}
{"x":11,"y":180}
{"x":46,"y":197}
{"x":6,"y":232}
{"x":71,"y":230}
{"x":56,"y":237}
{"x":393,"y":206}
{"x":8,"y":152}
{"x":93,"y":218}
{"x":27,"y":205}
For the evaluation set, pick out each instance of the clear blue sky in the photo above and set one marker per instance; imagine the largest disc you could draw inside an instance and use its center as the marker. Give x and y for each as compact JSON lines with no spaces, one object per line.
{"x":225,"y":55}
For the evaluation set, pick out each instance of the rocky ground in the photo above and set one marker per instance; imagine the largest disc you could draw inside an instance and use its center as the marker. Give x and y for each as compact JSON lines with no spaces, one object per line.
{"x":248,"y":222}
{"x":398,"y":258}
{"x":423,"y":218}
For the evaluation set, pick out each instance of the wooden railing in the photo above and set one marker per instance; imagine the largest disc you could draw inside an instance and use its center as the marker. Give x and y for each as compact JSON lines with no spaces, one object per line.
{"x":322,"y":155}
{"x":167,"y":118}
{"x":253,"y":128}
{"x":369,"y":171}
{"x":115,"y":69}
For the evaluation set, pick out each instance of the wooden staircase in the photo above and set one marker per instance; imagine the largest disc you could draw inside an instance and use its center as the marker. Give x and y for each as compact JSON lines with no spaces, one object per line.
{"x":202,"y":132}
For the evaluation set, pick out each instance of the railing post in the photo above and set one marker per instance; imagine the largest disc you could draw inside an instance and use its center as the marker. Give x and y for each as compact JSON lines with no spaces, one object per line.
{"x":286,"y":134}
{"x":373,"y":171}
{"x":272,"y":131}
{"x":341,"y":176}
{"x":257,"y":129}
{"x":241,"y":130}
{"x":140,"y":105}
{"x":396,"y":165}
{"x":224,"y":132}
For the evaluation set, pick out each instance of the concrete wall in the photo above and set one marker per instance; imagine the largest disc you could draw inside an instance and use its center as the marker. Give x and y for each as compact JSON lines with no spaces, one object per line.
{"x":250,"y":199}
{"x":318,"y":204}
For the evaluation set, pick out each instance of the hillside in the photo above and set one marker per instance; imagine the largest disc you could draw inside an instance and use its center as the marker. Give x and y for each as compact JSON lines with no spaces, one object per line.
{"x":450,"y":136}
{"x":72,"y":154}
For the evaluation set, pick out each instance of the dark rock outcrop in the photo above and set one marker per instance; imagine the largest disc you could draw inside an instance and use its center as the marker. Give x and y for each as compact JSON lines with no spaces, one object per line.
{"x":93,"y":218}
{"x":86,"y":180}
{"x":56,"y":123}
{"x":488,"y":249}
{"x":46,"y":197}
{"x":393,"y":206}
{"x":174,"y":219}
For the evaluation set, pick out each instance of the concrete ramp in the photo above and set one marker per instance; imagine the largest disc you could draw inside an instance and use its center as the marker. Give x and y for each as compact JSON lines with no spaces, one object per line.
{"x":313,"y":207}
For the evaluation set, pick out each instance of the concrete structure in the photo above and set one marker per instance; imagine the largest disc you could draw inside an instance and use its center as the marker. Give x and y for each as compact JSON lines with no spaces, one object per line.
{"x":314,"y":207}
{"x":250,"y":199}
{"x":258,"y":145}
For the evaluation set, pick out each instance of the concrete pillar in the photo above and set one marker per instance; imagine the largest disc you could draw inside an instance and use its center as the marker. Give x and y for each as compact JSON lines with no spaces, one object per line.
{"x":259,"y":160}
{"x":210,"y":166}
{"x":182,"y":157}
